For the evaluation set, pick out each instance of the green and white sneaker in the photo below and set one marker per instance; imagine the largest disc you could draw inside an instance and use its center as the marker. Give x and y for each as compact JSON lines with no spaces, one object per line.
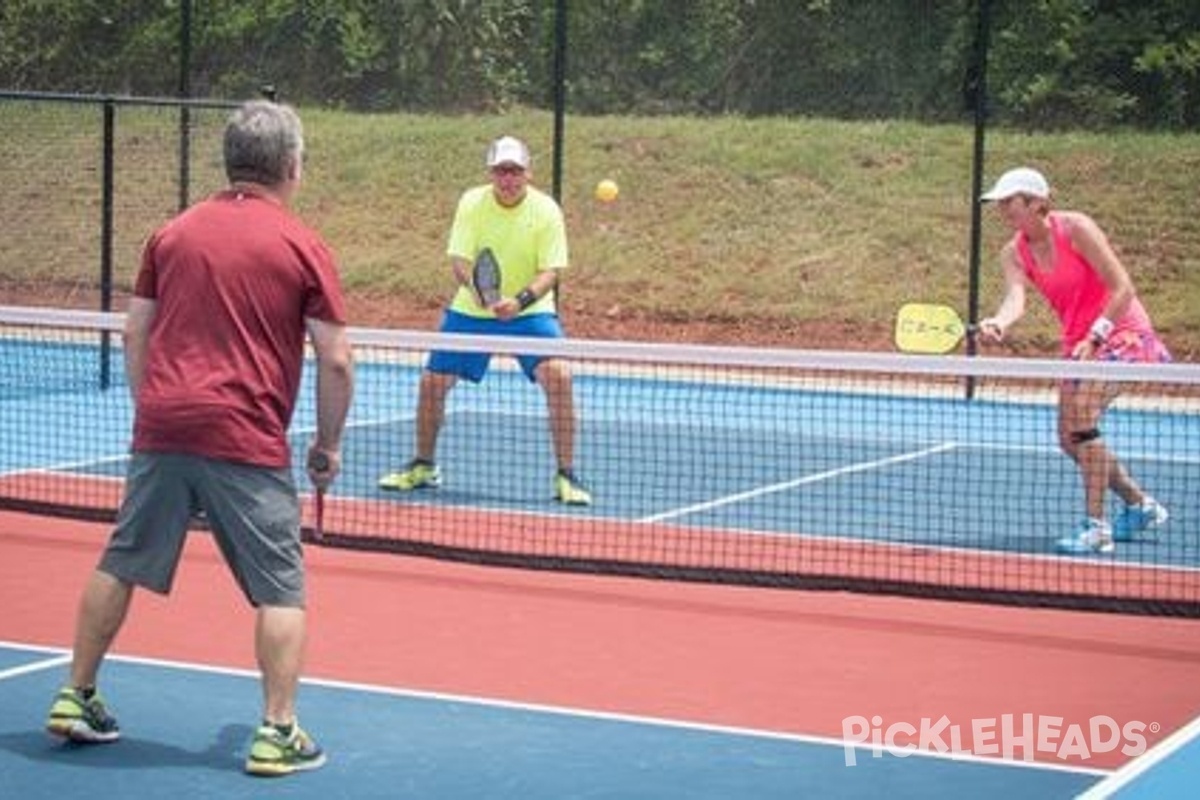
{"x":274,"y":753}
{"x":417,"y":475}
{"x":569,"y":490}
{"x":82,"y":719}
{"x":1093,"y":537}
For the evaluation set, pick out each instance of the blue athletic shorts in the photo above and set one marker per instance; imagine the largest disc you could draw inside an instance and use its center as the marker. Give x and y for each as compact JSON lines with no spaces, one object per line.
{"x":474,"y":366}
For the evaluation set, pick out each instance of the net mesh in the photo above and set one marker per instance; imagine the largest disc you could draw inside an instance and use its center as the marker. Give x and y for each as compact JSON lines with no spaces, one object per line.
{"x":937,"y":476}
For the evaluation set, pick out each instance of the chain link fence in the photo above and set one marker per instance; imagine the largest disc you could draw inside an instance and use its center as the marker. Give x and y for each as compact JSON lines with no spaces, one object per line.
{"x":85,"y":181}
{"x":785,"y":170}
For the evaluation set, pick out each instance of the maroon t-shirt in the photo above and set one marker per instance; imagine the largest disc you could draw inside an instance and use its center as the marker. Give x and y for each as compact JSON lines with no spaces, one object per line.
{"x":233,"y":278}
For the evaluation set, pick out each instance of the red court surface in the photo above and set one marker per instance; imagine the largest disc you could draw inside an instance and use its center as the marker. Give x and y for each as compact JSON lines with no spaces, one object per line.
{"x":772,"y":660}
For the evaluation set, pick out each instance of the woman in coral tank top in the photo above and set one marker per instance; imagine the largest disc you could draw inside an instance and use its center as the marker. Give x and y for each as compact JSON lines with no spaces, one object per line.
{"x":1068,"y":259}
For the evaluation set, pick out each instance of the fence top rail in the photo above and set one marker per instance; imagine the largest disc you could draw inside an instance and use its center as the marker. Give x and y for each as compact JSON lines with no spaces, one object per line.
{"x":122,"y":100}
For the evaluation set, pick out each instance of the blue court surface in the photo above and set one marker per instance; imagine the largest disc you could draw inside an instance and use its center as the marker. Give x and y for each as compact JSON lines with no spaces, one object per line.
{"x":865,"y":466}
{"x":185,"y":733}
{"x":1171,"y":770}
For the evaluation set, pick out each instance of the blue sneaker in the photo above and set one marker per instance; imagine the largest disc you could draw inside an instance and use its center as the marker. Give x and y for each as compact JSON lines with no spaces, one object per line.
{"x":1132,"y":520}
{"x":1093,"y":538}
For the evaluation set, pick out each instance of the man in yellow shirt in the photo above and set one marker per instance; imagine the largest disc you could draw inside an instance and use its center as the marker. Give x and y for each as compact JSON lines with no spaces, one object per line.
{"x":524,"y":229}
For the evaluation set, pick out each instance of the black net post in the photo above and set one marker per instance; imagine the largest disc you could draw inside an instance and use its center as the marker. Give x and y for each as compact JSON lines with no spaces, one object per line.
{"x":185,"y":91}
{"x":106,"y":238}
{"x":977,"y":93}
{"x":560,"y":92}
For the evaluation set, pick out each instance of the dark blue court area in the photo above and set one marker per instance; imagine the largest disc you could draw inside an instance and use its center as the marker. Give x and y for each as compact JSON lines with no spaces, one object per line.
{"x":186,"y":729}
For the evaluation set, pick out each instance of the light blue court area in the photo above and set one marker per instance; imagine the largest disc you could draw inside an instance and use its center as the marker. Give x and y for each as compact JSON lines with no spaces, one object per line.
{"x":1171,"y":769}
{"x":871,"y":462}
{"x":186,"y":729}
{"x":930,"y":471}
{"x":926,"y":492}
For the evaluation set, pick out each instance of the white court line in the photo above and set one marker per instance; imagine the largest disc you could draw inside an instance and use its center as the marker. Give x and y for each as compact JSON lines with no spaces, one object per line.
{"x":1050,"y":450}
{"x":1143,"y":763}
{"x":784,"y":486}
{"x":706,"y":727}
{"x":69,"y":466}
{"x":37,"y":666}
{"x":609,"y":716}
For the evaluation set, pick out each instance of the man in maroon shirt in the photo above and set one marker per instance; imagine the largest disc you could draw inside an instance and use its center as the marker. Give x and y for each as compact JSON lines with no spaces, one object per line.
{"x":214,"y":345}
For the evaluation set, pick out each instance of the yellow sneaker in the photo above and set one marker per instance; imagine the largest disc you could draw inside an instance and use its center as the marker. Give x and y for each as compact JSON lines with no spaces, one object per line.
{"x":417,"y":475}
{"x":569,"y":490}
{"x":274,"y":753}
{"x":86,"y":721}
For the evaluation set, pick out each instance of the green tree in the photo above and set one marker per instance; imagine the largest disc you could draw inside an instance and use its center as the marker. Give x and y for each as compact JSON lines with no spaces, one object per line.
{"x":1055,"y":63}
{"x":1073,"y":63}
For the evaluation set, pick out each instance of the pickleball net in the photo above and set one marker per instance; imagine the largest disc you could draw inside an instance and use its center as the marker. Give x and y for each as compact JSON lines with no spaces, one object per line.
{"x":879,"y":472}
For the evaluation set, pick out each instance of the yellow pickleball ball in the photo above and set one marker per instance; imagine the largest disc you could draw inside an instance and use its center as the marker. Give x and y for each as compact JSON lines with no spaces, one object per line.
{"x":607,"y":191}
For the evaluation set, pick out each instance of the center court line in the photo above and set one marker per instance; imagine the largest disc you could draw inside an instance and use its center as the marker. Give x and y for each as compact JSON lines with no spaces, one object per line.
{"x":781,"y":487}
{"x":36,"y":666}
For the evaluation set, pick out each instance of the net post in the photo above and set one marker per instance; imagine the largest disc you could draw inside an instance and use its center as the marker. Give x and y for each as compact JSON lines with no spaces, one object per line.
{"x":185,"y":113}
{"x":560,"y":91}
{"x":977,"y":87}
{"x":106,"y":238}
{"x":560,"y":103}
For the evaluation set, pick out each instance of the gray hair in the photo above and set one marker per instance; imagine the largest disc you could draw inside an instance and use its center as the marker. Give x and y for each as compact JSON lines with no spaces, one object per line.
{"x":262,"y":141}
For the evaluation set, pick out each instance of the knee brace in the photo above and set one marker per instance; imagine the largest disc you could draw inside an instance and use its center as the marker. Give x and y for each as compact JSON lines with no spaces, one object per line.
{"x":1083,"y":437}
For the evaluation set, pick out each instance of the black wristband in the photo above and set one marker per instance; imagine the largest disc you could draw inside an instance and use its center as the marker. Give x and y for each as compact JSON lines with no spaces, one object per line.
{"x":526,"y":298}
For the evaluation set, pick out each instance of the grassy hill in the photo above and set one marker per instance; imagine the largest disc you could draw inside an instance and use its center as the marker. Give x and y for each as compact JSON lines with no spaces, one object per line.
{"x":797,"y":232}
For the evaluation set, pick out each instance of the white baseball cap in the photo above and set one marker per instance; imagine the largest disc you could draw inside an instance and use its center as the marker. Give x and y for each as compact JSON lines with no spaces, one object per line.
{"x":1021,"y":180}
{"x":508,"y":150}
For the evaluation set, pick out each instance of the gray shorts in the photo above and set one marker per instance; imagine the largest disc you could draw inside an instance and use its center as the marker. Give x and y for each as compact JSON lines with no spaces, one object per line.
{"x":253,"y":512}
